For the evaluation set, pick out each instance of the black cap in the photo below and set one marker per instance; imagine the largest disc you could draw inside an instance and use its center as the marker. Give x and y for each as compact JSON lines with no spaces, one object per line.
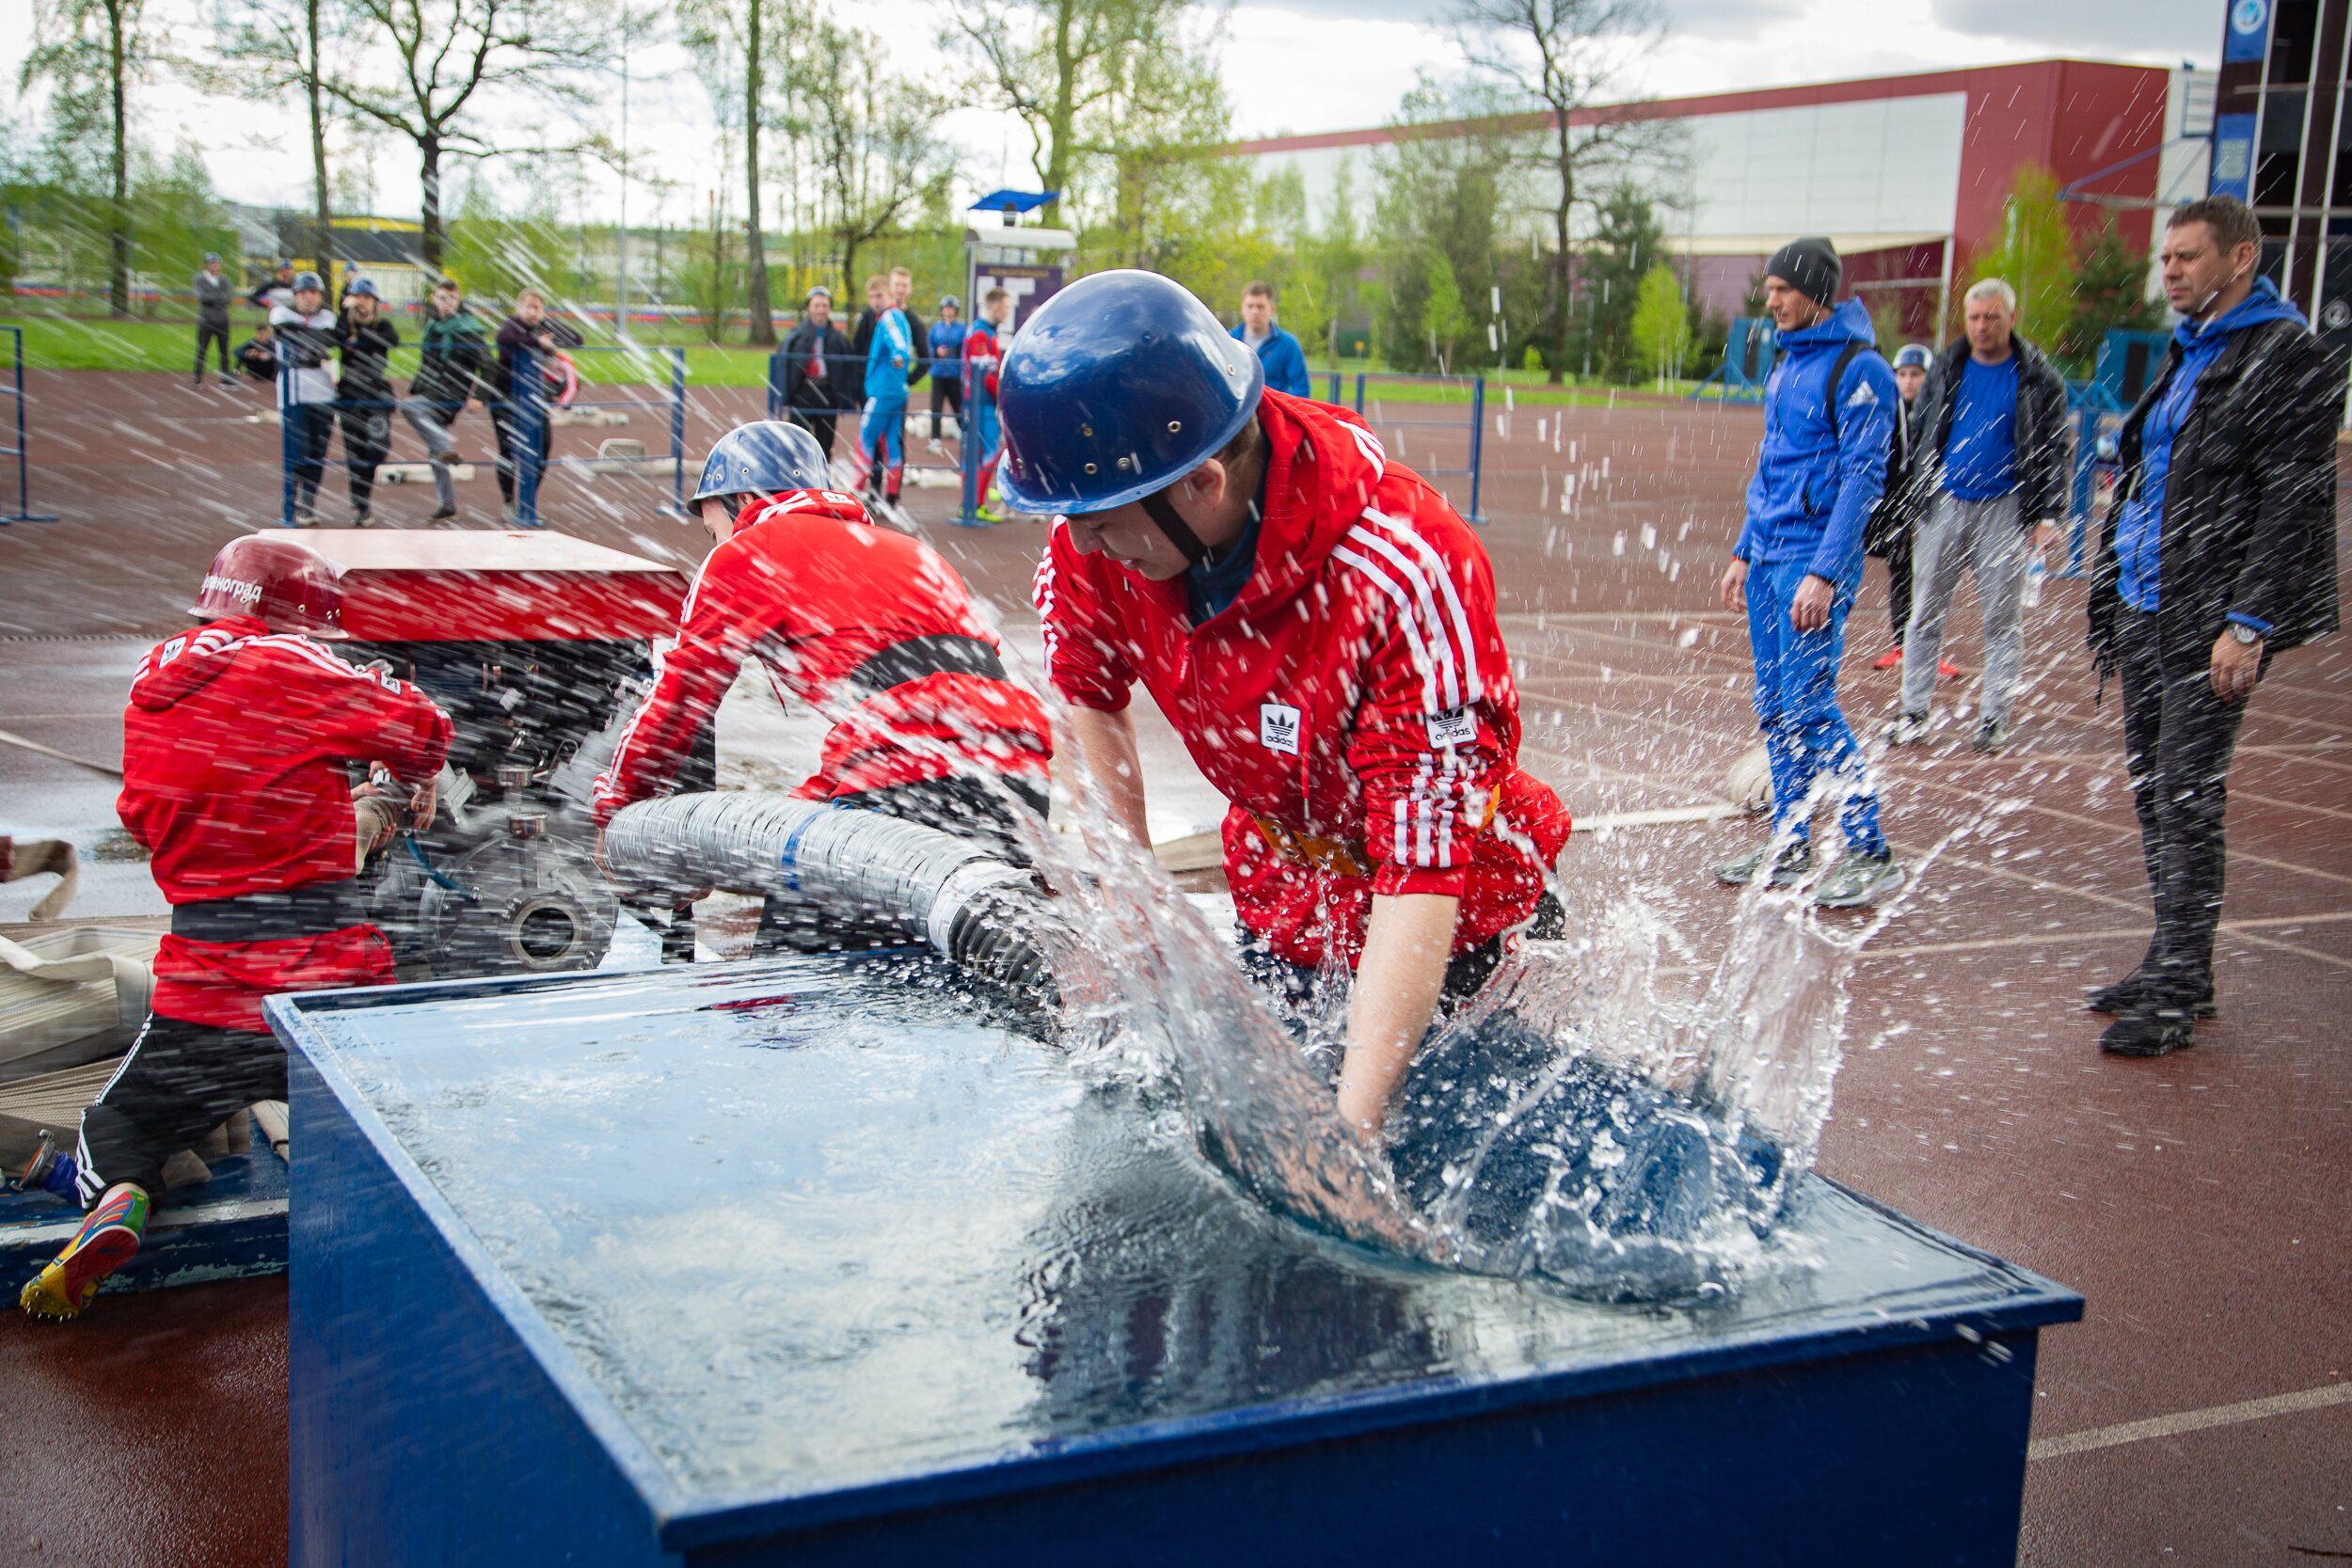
{"x":1810,"y":267}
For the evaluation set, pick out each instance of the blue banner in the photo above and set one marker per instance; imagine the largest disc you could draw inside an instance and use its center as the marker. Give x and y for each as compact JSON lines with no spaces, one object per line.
{"x":2233,"y":172}
{"x":2247,"y":34}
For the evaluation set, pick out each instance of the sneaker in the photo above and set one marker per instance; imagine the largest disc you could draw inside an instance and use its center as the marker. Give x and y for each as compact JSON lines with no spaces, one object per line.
{"x":360,"y":516}
{"x":1992,"y":736}
{"x":449,"y":456}
{"x":306,"y":517}
{"x":1946,"y":670}
{"x":1858,"y":881}
{"x":1891,"y":659}
{"x":442,"y":515}
{"x":988,"y":514}
{"x":1795,"y":861}
{"x":2135,"y":989}
{"x":110,"y":1238}
{"x":2150,"y":1031}
{"x":933,"y":446}
{"x":1909,"y":729}
{"x":229,"y":383}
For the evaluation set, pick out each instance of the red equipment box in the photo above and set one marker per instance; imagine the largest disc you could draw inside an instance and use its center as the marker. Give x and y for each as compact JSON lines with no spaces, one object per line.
{"x":430,"y":585}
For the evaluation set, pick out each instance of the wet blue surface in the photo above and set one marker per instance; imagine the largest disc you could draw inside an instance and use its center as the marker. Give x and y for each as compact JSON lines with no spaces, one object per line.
{"x":814,"y":1227}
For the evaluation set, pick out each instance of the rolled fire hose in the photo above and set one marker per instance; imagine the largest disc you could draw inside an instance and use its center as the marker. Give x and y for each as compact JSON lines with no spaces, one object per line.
{"x":980,"y":911}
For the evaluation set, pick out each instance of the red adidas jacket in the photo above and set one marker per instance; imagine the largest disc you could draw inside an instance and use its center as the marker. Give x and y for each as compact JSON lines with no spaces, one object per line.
{"x":813,"y":589}
{"x":1357,"y":690}
{"x":233,"y":748}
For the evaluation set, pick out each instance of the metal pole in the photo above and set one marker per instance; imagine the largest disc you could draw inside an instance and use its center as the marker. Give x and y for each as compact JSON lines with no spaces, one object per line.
{"x":620,"y":281}
{"x":527,"y":391}
{"x":677,"y":431}
{"x":1360,"y":393}
{"x":289,"y":443}
{"x":1478,"y":439}
{"x":1335,"y":388}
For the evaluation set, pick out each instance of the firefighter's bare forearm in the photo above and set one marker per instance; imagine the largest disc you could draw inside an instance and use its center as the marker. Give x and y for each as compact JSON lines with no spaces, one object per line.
{"x":1107,"y":743}
{"x":1407,"y":940}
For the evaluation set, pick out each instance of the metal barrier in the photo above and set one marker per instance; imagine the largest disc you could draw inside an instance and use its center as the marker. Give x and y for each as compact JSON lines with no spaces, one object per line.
{"x":850,"y":370}
{"x":2093,"y":404}
{"x":23,"y":513}
{"x":524,"y":414}
{"x":1477,"y":386}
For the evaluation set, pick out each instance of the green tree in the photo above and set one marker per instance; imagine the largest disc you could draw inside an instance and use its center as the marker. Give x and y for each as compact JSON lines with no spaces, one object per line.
{"x":2110,"y":291}
{"x":1660,"y":328}
{"x":737,"y":45}
{"x":2036,"y":256}
{"x":1572,"y":62}
{"x":264,"y":48}
{"x":92,"y":53}
{"x":1444,"y":322}
{"x":1627,"y":241}
{"x":1447,"y":195}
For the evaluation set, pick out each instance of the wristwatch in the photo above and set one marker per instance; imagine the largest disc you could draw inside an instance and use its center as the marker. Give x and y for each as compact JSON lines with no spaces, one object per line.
{"x":2245,"y":633}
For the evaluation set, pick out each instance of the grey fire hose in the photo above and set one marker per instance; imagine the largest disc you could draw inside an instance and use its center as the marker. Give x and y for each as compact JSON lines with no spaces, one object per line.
{"x":980,"y":911}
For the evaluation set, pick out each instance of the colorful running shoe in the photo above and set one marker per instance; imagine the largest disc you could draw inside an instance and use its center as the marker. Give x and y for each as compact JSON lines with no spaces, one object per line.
{"x":108,"y":1238}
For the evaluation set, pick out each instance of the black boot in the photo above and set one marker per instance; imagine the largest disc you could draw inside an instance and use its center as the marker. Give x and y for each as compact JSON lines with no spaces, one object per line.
{"x":2137,"y":988}
{"x":2150,"y":1031}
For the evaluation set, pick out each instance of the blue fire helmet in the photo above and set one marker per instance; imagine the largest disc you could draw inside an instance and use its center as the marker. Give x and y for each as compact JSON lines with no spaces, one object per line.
{"x":1120,"y":385}
{"x":949,"y":302}
{"x":1913,"y":357}
{"x":361,"y":286}
{"x":763,"y":458}
{"x":308,"y":280}
{"x":821,"y":292}
{"x":211,"y":256}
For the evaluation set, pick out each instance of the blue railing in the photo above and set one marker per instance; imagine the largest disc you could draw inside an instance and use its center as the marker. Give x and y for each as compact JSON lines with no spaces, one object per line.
{"x":23,"y":513}
{"x":1477,"y":386}
{"x":2093,"y":404}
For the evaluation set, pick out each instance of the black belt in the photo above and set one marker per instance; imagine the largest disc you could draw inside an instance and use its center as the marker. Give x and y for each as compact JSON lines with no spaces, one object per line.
{"x":314,"y":910}
{"x":946,"y":654}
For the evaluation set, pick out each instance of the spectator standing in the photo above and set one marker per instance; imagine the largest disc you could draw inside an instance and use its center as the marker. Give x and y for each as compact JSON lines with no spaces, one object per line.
{"x":1829,"y":415}
{"x":452,"y":368}
{"x":818,"y":370}
{"x":1888,"y":536}
{"x":983,"y":353}
{"x":305,"y":330}
{"x":365,"y":392}
{"x":901,"y":296}
{"x":278,"y":289}
{"x":1991,"y":467}
{"x":528,"y":334}
{"x":2219,"y":553}
{"x":862,"y":338}
{"x":882,"y":431}
{"x":1285,"y":361}
{"x":946,"y":362}
{"x":258,"y":354}
{"x":213,"y":293}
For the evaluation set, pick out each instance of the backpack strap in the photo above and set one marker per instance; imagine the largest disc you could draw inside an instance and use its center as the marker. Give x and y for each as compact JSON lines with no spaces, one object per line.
{"x":1837,"y":374}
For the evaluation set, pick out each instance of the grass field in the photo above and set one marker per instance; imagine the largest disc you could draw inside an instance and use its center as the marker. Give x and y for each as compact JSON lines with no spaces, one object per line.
{"x":97,"y":343}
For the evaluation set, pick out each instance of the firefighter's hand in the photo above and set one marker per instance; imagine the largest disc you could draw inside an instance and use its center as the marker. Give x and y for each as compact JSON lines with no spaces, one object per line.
{"x":1809,"y":610}
{"x":1734,"y":586}
{"x":424,"y":803}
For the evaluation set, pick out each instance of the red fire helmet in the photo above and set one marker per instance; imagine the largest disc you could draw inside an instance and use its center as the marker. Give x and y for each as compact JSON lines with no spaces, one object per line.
{"x":286,"y":583}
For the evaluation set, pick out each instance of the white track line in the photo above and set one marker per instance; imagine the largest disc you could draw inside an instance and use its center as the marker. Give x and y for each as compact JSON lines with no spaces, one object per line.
{"x":2192,"y":1420}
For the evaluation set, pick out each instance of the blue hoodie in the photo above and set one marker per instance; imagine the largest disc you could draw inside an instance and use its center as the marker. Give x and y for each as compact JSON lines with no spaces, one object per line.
{"x":2140,"y":535}
{"x":1285,"y":361}
{"x":1816,"y":482}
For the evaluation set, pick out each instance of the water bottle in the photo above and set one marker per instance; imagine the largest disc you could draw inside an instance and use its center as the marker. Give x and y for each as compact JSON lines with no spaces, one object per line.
{"x":2036,"y":569}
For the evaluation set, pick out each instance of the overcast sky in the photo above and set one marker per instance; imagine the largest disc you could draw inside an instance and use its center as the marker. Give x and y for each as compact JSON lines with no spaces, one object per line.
{"x":1302,"y":66}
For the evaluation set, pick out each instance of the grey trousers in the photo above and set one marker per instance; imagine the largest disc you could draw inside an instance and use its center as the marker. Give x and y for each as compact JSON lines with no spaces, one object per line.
{"x":1986,"y":537}
{"x":419,"y":415}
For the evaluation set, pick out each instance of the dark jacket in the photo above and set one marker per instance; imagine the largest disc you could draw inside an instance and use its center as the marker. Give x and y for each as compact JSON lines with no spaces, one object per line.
{"x":2043,"y":448}
{"x":515,"y":339}
{"x":454,"y":366}
{"x":212,"y":298}
{"x":2249,"y":506}
{"x":1898,"y":507}
{"x":365,"y":349}
{"x":841,"y":376}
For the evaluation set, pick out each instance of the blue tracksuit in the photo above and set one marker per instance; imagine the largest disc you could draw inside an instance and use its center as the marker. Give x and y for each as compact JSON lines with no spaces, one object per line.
{"x":1817,"y":478}
{"x":1285,"y":361}
{"x":888,"y":364}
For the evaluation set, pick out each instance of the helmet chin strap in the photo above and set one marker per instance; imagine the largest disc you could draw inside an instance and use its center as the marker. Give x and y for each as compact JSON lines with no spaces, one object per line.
{"x":1163,"y":512}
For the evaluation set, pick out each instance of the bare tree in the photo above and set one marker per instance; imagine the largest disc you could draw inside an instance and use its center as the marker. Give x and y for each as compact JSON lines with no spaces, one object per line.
{"x":733,"y":43}
{"x":879,"y":159}
{"x":263,"y":49}
{"x":1576,"y":61}
{"x":450,"y":57}
{"x":1065,"y":66}
{"x":91,"y":53}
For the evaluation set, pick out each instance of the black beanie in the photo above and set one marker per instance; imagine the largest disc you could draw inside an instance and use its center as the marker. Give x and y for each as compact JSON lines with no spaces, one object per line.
{"x":1809,"y":264}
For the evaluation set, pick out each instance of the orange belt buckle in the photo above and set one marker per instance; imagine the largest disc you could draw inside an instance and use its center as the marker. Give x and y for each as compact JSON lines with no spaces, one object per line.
{"x":1338,"y":856}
